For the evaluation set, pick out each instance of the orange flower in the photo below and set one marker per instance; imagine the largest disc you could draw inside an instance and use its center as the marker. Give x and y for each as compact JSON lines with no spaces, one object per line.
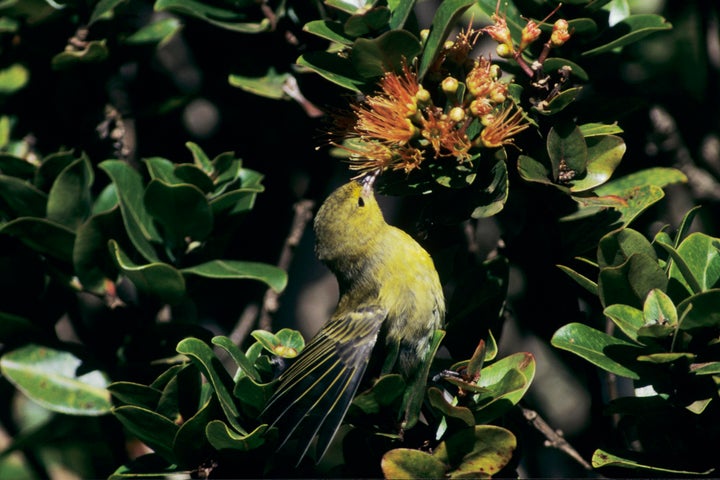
{"x":502,"y":127}
{"x":435,"y":128}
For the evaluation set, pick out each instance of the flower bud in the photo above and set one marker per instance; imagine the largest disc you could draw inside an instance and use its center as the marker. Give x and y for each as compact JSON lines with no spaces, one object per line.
{"x":504,"y":51}
{"x":457,"y":114}
{"x":449,"y":85}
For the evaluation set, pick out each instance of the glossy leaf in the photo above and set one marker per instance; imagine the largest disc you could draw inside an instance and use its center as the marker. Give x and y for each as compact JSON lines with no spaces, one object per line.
{"x":13,"y":78}
{"x":701,"y":255}
{"x":329,"y":30}
{"x":607,"y":352}
{"x":628,"y":31}
{"x":238,"y":356}
{"x":21,"y":198}
{"x":367,"y":21}
{"x":182,"y":210}
{"x":334,"y":68}
{"x":411,"y":464}
{"x":559,"y":102}
{"x":70,"y":199}
{"x":214,"y":13}
{"x":401,"y":10}
{"x":602,"y":458}
{"x":138,"y":221}
{"x":630,"y":282}
{"x":104,"y":9}
{"x":388,"y":389}
{"x":659,"y":308}
{"x":599,"y":129}
{"x":553,"y":64}
{"x":274,"y":277}
{"x":94,"y":51}
{"x":603,"y":157}
{"x":285,"y":343}
{"x":90,"y":256}
{"x":581,"y":280}
{"x":271,"y":85}
{"x":616,"y":247}
{"x":702,"y":310}
{"x":628,"y":319}
{"x":532,"y":170}
{"x":159,"y":32}
{"x":371,"y":58}
{"x":480,"y":451}
{"x":567,"y":150}
{"x":153,"y":429}
{"x":445,"y":15}
{"x":43,"y":236}
{"x":437,"y":400}
{"x":57,"y":380}
{"x":222,"y":437}
{"x":157,"y":279}
{"x":657,"y":176}
{"x":495,"y":194}
{"x":202,"y":355}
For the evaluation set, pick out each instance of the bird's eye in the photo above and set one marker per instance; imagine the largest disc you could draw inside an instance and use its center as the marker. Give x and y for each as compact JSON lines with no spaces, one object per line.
{"x":361,"y":202}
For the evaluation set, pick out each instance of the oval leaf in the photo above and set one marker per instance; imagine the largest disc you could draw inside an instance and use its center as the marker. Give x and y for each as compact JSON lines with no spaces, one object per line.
{"x":411,"y":464}
{"x":274,"y":277}
{"x":55,"y":380}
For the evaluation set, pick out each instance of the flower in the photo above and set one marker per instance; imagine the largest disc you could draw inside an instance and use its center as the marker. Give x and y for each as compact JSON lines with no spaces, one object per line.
{"x":502,"y":127}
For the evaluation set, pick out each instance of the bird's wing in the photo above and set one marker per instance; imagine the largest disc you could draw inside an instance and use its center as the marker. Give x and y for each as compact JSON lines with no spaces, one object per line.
{"x":316,"y":391}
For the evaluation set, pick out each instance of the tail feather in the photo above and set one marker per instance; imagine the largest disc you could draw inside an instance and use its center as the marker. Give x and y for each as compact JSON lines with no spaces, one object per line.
{"x":315,"y":393}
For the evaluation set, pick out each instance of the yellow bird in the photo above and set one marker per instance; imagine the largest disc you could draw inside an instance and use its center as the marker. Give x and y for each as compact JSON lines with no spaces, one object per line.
{"x":391,"y":303}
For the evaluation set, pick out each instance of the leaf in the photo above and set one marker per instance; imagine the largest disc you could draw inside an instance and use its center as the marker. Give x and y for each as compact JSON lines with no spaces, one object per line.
{"x":438,"y":401}
{"x":222,"y":437}
{"x":628,"y":319}
{"x":603,"y":157}
{"x":411,"y":464}
{"x":104,"y":9}
{"x":559,"y":102}
{"x":445,"y":15}
{"x":57,"y":380}
{"x":138,"y":221}
{"x":371,"y":58}
{"x":581,"y":280}
{"x":13,"y":78}
{"x":630,"y":282}
{"x":215,"y":14}
{"x":182,"y":210}
{"x":135,"y":394}
{"x":609,"y":353}
{"x":91,"y":259}
{"x":70,"y":199}
{"x":602,"y":458}
{"x":495,"y":194}
{"x":159,"y":32}
{"x":553,"y":64}
{"x":334,"y":68}
{"x":271,"y":85}
{"x":704,"y":312}
{"x":532,"y":170}
{"x":201,"y":354}
{"x":238,"y":356}
{"x":401,"y":10}
{"x":153,"y":429}
{"x":93,"y":51}
{"x":628,"y":31}
{"x":367,"y":21}
{"x":659,"y":309}
{"x":43,"y":236}
{"x":329,"y":30}
{"x":657,"y":176}
{"x":599,"y":129}
{"x":701,"y":258}
{"x":20,"y":198}
{"x":617,"y":246}
{"x":285,"y":343}
{"x":157,"y":279}
{"x":480,"y":451}
{"x":274,"y":277}
{"x":567,"y":150}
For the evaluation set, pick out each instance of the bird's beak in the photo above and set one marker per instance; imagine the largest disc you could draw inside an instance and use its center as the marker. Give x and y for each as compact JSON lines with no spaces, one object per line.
{"x":368,"y":181}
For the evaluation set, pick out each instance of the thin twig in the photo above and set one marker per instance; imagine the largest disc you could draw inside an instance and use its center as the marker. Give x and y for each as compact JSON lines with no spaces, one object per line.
{"x":303,"y":214}
{"x":553,"y":438}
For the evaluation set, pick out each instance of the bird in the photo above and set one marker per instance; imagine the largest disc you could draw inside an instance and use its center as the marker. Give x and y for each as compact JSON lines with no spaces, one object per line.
{"x":391,"y":303}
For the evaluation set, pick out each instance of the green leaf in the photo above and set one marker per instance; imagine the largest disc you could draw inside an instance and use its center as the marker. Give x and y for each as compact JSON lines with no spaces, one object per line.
{"x":43,"y":236}
{"x":104,"y":9}
{"x":182,"y":210}
{"x":153,"y":429}
{"x":349,"y":6}
{"x":630,"y":282}
{"x":609,"y":353}
{"x":411,"y":464}
{"x":238,"y":356}
{"x":157,"y":279}
{"x":628,"y":319}
{"x":628,"y":31}
{"x":388,"y":389}
{"x":657,"y":176}
{"x":602,"y":458}
{"x":373,"y":57}
{"x":271,"y":85}
{"x":329,"y":30}
{"x":552,"y":65}
{"x":599,"y":129}
{"x":437,"y":400}
{"x":581,"y":280}
{"x":13,"y":78}
{"x":274,"y":277}
{"x":659,"y":309}
{"x":201,"y":354}
{"x":90,"y":256}
{"x":135,"y":394}
{"x":703,"y":313}
{"x":57,"y":380}
{"x":699,"y":252}
{"x":617,"y":246}
{"x":442,"y":23}
{"x":228,"y":18}
{"x":567,"y":150}
{"x":559,"y":102}
{"x":603,"y":157}
{"x":334,"y":68}
{"x":222,"y":437}
{"x":19,"y":198}
{"x":70,"y":199}
{"x":159,"y":32}
{"x":480,"y":451}
{"x":493,"y":197}
{"x":401,"y":10}
{"x":532,"y":170}
{"x":367,"y":21}
{"x":286,"y":343}
{"x":94,"y":51}
{"x":138,"y":221}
